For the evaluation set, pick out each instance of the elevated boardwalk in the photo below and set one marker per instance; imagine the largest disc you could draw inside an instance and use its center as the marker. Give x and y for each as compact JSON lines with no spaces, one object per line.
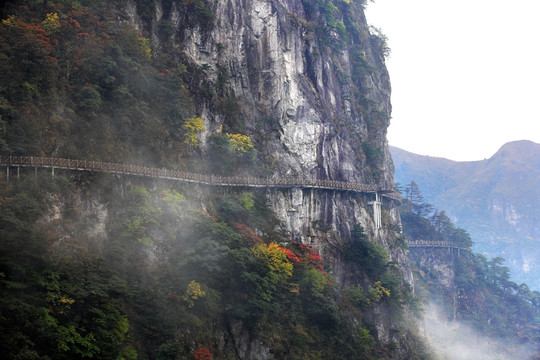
{"x":211,"y":180}
{"x":435,"y":244}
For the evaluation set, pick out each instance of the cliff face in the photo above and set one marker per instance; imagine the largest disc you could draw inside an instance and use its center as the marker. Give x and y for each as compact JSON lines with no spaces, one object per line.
{"x":316,"y":102}
{"x":320,"y":115}
{"x":437,"y":268}
{"x":306,"y":81}
{"x":278,"y":69}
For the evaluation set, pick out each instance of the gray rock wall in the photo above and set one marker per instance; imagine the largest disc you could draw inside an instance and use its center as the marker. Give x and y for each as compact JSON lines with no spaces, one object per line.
{"x":277,"y":68}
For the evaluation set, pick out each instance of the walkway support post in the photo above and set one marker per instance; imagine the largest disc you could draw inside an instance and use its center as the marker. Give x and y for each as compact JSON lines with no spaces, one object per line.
{"x":377,"y":218}
{"x":238,"y":181}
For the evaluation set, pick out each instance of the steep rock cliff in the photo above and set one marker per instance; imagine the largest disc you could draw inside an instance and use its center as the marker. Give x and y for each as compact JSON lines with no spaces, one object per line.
{"x":317,"y":107}
{"x":306,"y":81}
{"x":320,"y":110}
{"x":317,"y":102}
{"x":321,"y":99}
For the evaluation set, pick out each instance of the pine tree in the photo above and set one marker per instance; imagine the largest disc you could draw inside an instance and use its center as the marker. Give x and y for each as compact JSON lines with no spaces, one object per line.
{"x":416,"y":200}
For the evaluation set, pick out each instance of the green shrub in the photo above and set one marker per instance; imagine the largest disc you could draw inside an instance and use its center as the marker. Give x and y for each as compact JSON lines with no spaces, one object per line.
{"x":231,"y":153}
{"x":371,"y":257}
{"x":90,"y":99}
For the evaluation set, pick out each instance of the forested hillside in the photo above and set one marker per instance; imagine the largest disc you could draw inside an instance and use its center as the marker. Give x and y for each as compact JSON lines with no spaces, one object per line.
{"x":78,"y":84}
{"x":106,"y":266}
{"x":113,"y":266}
{"x":470,"y":288}
{"x":66,"y":295}
{"x":496,"y":200}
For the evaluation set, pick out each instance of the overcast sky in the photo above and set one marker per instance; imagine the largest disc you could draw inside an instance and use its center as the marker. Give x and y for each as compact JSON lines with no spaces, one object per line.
{"x":465,"y":74}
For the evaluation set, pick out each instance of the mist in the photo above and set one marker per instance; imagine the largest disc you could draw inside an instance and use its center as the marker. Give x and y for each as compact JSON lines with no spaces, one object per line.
{"x":454,"y":340}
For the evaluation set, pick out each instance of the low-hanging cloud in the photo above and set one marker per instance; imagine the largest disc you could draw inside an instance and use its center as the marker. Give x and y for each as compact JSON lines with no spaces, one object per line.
{"x":454,"y":340}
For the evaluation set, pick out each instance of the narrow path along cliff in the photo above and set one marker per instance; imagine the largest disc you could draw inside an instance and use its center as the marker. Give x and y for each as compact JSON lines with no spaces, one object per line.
{"x":162,"y":173}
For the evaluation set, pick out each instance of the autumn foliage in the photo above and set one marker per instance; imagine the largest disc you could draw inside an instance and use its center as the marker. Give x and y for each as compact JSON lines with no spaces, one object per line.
{"x":249,"y":235}
{"x":275,"y":258}
{"x":203,"y":353}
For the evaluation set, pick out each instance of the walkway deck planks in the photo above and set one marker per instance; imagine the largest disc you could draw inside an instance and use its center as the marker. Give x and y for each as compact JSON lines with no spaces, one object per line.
{"x":211,"y":180}
{"x":435,"y":243}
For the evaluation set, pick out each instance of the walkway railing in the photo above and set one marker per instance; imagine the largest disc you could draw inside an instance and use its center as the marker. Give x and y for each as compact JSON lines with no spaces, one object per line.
{"x":162,"y":173}
{"x":435,"y":243}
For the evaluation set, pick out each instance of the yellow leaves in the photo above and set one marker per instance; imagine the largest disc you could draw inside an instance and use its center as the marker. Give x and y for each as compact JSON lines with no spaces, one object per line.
{"x":194,"y":291}
{"x":275,"y":258}
{"x":240,"y":142}
{"x":65,"y":300}
{"x":51,"y":23}
{"x":192,"y":127}
{"x":11,"y":21}
{"x":144,"y":46}
{"x":378,"y":291}
{"x":275,"y":267}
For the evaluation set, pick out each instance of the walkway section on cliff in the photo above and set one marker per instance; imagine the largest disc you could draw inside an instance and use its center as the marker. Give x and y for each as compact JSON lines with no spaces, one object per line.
{"x":436,"y":244}
{"x":212,"y":180}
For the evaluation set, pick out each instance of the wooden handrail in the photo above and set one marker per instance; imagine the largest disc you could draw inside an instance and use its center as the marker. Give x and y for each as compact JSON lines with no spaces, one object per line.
{"x":86,"y":165}
{"x":435,"y":243}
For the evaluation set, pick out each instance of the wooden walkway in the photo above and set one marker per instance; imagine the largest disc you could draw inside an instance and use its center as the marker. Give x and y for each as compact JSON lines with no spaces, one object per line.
{"x":212,"y":180}
{"x":435,"y":244}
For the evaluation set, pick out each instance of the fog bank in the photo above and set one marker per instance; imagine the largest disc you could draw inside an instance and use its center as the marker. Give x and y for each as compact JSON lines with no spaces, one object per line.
{"x":457,"y":341}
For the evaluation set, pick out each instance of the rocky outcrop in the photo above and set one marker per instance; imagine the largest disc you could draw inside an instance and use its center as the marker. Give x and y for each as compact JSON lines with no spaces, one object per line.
{"x":321,"y":99}
{"x":438,"y":265}
{"x":279,"y":70}
{"x":308,"y":84}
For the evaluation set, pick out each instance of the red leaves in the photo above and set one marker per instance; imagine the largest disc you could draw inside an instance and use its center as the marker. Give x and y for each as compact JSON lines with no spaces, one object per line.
{"x":210,"y":216}
{"x":165,"y":72}
{"x":32,"y":33}
{"x":291,"y":256}
{"x":307,"y":255}
{"x":75,"y":23}
{"x":248,"y":235}
{"x":203,"y":353}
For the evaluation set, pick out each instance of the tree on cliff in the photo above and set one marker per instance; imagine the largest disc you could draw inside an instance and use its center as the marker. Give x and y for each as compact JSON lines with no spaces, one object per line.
{"x":480,"y":292}
{"x":416,"y":200}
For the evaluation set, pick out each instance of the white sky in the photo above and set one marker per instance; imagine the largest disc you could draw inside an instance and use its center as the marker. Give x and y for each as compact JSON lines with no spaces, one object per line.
{"x":465,"y":74}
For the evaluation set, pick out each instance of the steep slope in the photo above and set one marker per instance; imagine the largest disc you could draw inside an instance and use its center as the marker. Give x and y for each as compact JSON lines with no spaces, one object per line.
{"x":255,"y":88}
{"x":473,"y":309}
{"x":496,"y":200}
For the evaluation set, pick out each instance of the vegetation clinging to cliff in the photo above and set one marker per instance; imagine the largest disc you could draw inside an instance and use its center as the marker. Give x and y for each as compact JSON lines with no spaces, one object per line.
{"x":65,"y":295}
{"x":80,"y":81}
{"x":483,"y":294}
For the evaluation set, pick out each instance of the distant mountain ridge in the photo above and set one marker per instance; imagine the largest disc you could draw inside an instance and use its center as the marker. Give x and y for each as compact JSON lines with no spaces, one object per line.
{"x":496,"y":200}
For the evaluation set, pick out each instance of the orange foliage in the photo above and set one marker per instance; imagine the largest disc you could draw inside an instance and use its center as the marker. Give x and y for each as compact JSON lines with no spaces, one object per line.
{"x":210,"y":216}
{"x":303,"y":253}
{"x":248,"y":235}
{"x":203,"y":353}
